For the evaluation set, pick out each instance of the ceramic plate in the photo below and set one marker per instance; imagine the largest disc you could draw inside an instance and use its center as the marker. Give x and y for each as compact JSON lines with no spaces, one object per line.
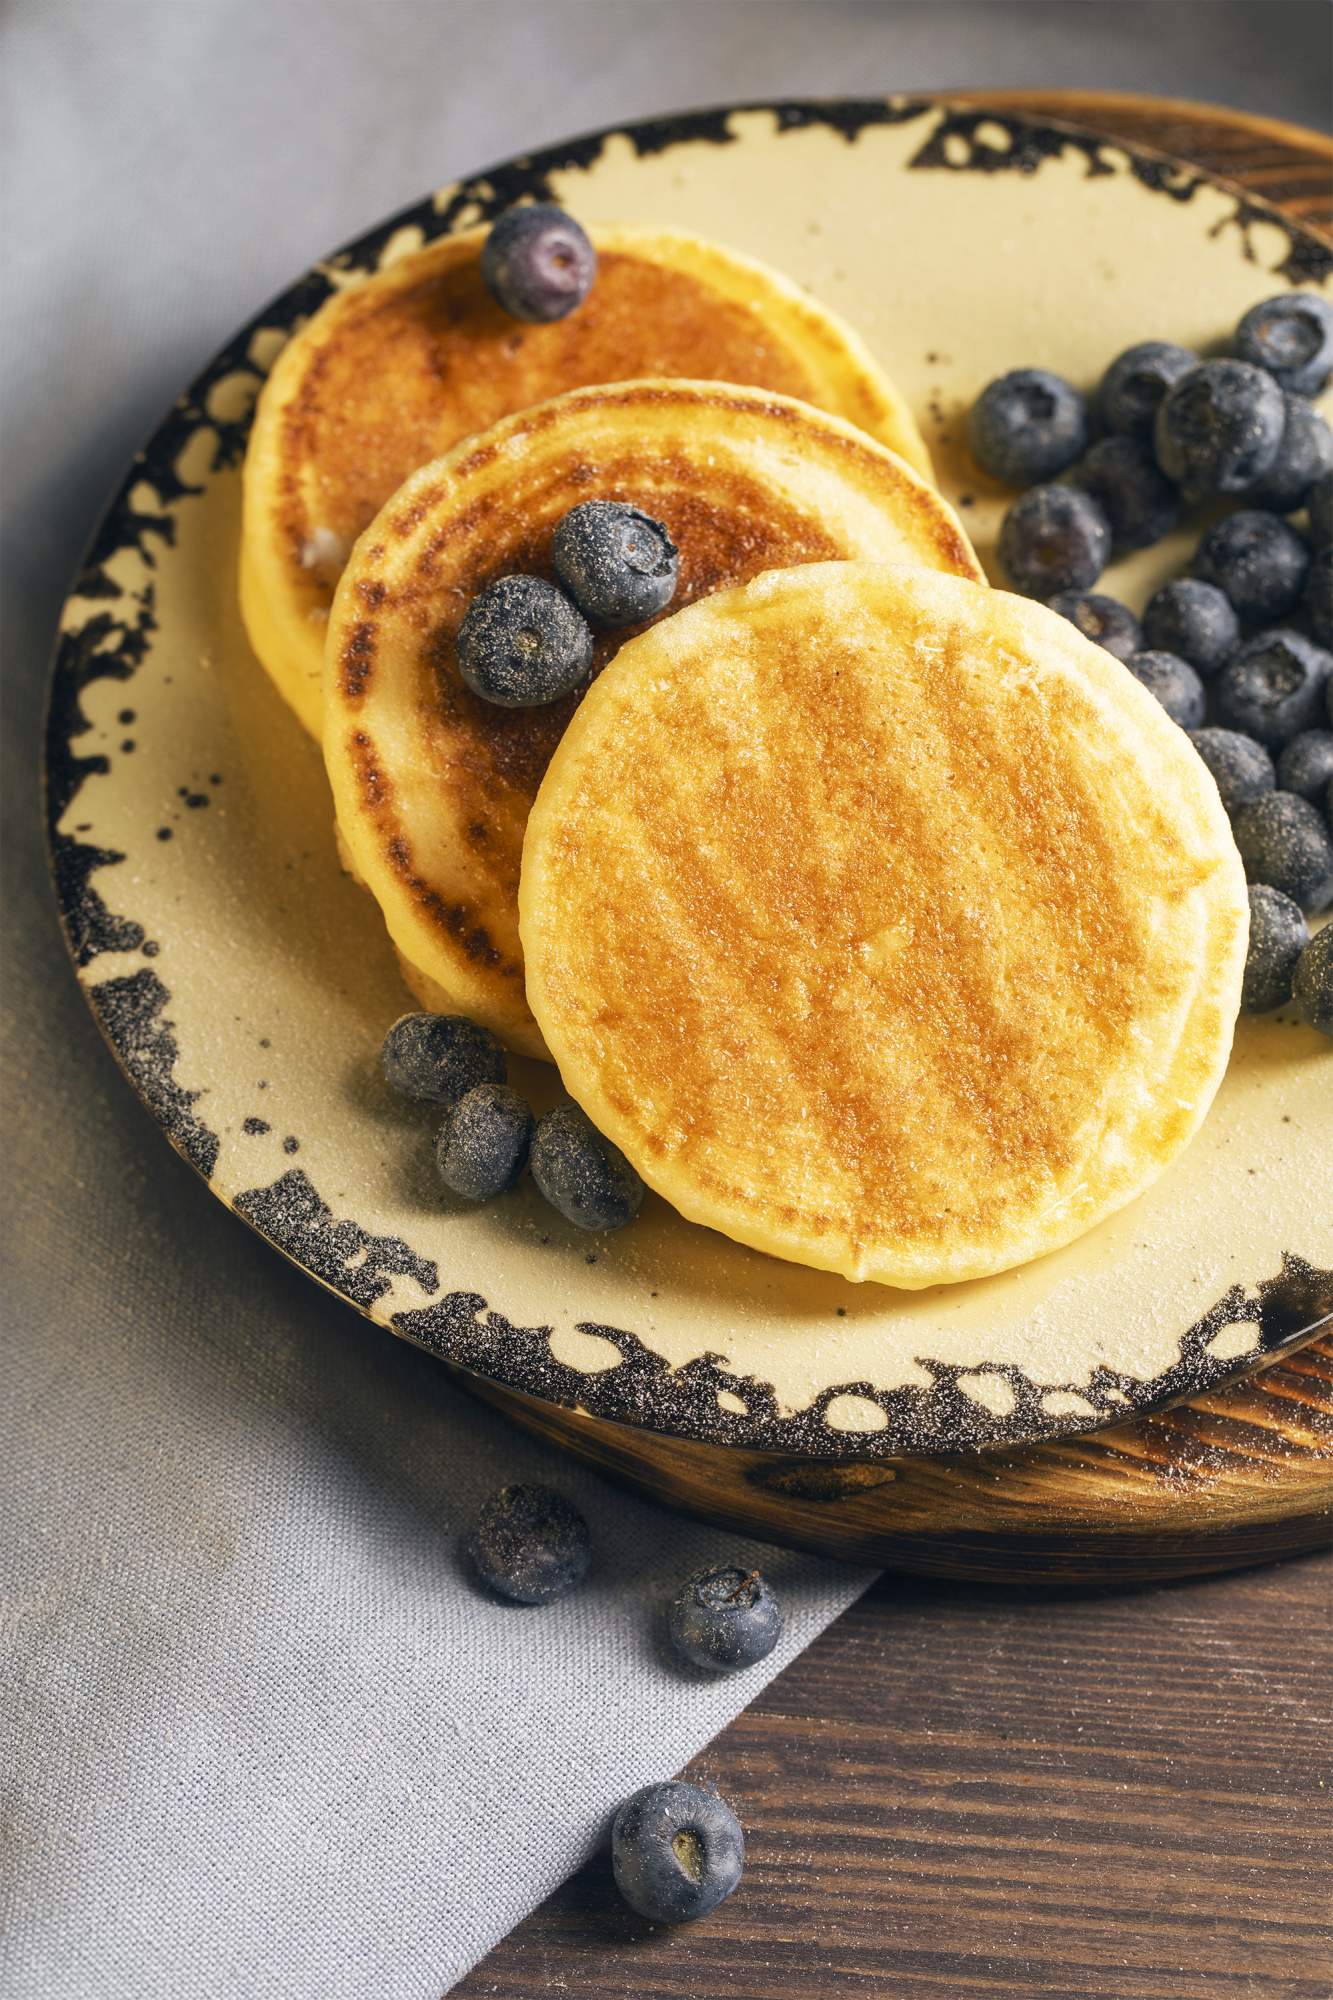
{"x":244,"y":982}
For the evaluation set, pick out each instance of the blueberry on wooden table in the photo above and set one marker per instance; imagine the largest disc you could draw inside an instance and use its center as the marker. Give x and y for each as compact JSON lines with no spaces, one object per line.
{"x":522,"y":643}
{"x":725,"y":1619}
{"x":1273,"y":686}
{"x":1219,"y":427}
{"x":1317,"y":598}
{"x":1140,"y":502}
{"x":1194,"y":620}
{"x":1175,"y":684}
{"x":1027,"y":425}
{"x":1258,"y":561}
{"x":1054,"y":538}
{"x":617,"y":563}
{"x":1278,"y":936}
{"x":1284,"y":842}
{"x":1136,"y":382}
{"x":1303,"y":457}
{"x":440,"y":1057}
{"x":1319,"y":509}
{"x":1312,"y":982}
{"x":1291,"y":337}
{"x":1306,"y":764}
{"x":538,"y":263}
{"x":676,"y":1851}
{"x":482,"y":1146}
{"x":1241,"y":769}
{"x":581,"y":1173}
{"x":1104,"y":620}
{"x":530,"y":1544}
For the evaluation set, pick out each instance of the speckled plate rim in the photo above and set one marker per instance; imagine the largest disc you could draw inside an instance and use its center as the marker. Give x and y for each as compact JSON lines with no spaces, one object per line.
{"x":643,"y":1391}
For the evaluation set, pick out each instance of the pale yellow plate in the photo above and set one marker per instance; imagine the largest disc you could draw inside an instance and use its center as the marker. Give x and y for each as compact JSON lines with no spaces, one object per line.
{"x":245,"y":983}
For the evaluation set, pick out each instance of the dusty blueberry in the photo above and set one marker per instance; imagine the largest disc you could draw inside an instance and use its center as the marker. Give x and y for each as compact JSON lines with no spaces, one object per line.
{"x":1283,"y":841}
{"x":1054,"y":538}
{"x":1219,"y":427}
{"x":724,"y":1619}
{"x":1319,"y":508}
{"x":1304,"y":456}
{"x":482,"y":1146}
{"x":1175,"y":684}
{"x":1242,"y":769}
{"x":1136,"y":382}
{"x":1027,"y":425}
{"x":1291,"y":337}
{"x":440,"y":1057}
{"x":1104,"y":620}
{"x":537,"y":263}
{"x":1195,"y":620}
{"x":1312,"y":984}
{"x":1306,"y":763}
{"x":522,"y":643}
{"x":1317,"y":598}
{"x":676,"y":1852}
{"x":530,"y":1544}
{"x":1140,"y":502}
{"x":1258,"y":560}
{"x":1278,"y":936}
{"x":618,"y":564}
{"x":581,"y":1173}
{"x":1271,"y":688}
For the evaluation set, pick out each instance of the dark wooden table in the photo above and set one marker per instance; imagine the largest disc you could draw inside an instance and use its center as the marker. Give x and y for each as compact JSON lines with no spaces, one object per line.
{"x":959,"y":1792}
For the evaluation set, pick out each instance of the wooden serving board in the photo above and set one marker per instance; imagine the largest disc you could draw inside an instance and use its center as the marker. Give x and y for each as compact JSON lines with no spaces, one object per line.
{"x":1241,"y":1476}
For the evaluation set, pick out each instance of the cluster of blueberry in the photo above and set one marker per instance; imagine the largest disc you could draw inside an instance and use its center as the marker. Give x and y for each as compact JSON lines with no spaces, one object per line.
{"x":1247,"y":634}
{"x":489,"y":1133}
{"x":676,"y":1851}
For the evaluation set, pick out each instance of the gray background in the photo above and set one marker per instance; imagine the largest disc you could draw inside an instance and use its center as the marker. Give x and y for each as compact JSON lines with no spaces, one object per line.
{"x":250,"y":1707}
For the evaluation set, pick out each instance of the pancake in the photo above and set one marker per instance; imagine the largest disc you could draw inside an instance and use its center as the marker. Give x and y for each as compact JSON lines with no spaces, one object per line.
{"x":394,"y":370}
{"x":432,"y":785}
{"x":884,"y":922}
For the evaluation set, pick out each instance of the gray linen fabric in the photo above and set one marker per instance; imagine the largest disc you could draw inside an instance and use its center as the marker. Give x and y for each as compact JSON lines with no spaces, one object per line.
{"x":259,"y":1735}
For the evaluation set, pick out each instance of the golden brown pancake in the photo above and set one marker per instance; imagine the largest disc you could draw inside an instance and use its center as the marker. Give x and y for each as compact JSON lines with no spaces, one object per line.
{"x":396,"y":369}
{"x":432,"y":785}
{"x":884,"y":922}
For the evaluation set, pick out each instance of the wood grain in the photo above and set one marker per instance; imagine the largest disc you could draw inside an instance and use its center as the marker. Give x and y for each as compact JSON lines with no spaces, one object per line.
{"x":963,"y":1792}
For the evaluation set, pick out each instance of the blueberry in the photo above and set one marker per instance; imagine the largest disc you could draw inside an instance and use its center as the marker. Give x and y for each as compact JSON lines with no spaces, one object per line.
{"x":676,"y":1852}
{"x":1137,"y":498}
{"x":618,"y":565}
{"x":1054,"y":538}
{"x":537,"y":263}
{"x":1312,"y":985}
{"x":1104,"y":620}
{"x":1292,"y":337}
{"x":1317,"y":600}
{"x":1219,"y":427}
{"x":1136,"y":382}
{"x":482,"y":1145}
{"x":530,"y":1544}
{"x":1304,"y":456}
{"x":1242,"y":769}
{"x":725,"y":1619}
{"x":1278,"y":936}
{"x":1271,"y":688}
{"x":1175,"y":684}
{"x":581,"y":1173}
{"x":523,"y":644}
{"x":1284,"y":842}
{"x":440,"y":1057}
{"x":1319,"y":505}
{"x":1195,"y":620}
{"x":1258,"y":560}
{"x":1306,"y":763}
{"x":1027,"y":425}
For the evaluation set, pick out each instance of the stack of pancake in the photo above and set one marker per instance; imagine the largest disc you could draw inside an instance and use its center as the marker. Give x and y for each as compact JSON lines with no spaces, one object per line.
{"x":882,"y":920}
